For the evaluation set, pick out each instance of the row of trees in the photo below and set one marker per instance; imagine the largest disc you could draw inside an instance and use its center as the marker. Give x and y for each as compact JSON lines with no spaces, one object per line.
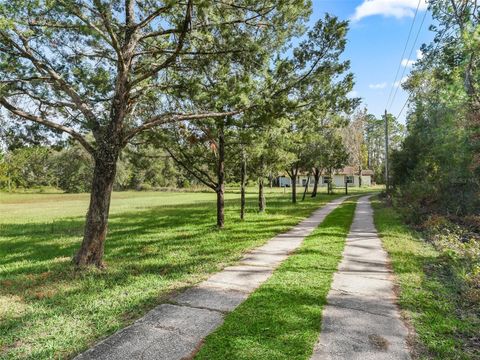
{"x":187,"y":77}
{"x":34,"y":159}
{"x":437,"y":169}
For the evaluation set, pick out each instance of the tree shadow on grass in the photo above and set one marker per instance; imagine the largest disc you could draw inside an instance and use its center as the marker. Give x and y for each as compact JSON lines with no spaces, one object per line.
{"x":163,"y":248}
{"x":42,"y":241}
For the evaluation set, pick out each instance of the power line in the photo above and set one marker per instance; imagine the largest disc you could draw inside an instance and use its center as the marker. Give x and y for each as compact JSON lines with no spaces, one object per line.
{"x":404,"y":50}
{"x":431,"y":57}
{"x":409,"y":56}
{"x":403,"y":107}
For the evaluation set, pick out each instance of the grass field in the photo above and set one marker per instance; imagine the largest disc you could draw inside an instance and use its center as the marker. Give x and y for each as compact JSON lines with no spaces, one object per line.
{"x":157,"y":243}
{"x":281,"y":319}
{"x":428,"y":293}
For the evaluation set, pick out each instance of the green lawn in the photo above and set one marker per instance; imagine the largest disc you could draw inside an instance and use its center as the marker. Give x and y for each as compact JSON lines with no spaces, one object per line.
{"x":282,"y":318}
{"x":428,"y":293}
{"x":157,"y":243}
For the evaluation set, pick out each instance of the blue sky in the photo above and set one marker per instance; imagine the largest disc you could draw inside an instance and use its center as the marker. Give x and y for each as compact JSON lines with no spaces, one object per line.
{"x":377,"y":37}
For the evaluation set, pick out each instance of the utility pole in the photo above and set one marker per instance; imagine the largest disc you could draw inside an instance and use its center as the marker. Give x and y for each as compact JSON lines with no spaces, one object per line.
{"x":387,"y":180}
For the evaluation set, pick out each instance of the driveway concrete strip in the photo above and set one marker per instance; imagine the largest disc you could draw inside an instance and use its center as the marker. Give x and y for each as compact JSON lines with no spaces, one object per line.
{"x":361,"y":320}
{"x":175,"y":331}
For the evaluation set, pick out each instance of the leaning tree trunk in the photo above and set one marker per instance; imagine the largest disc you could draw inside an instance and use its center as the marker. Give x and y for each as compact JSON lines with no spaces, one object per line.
{"x":91,"y":251}
{"x":243,"y":177}
{"x":261,"y":195}
{"x":306,"y":188}
{"x":316,"y":176}
{"x":221,"y":180}
{"x":294,"y":188}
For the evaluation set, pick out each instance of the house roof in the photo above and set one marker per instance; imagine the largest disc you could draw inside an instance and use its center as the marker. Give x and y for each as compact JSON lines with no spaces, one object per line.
{"x":347,"y":170}
{"x":351,"y":170}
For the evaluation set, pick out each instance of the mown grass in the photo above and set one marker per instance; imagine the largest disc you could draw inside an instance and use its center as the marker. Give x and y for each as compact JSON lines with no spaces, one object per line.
{"x":428,"y":293}
{"x":282,"y":318}
{"x":157,"y":243}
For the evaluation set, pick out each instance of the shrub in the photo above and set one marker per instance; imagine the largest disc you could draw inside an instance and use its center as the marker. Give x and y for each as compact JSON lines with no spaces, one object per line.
{"x":461,"y":248}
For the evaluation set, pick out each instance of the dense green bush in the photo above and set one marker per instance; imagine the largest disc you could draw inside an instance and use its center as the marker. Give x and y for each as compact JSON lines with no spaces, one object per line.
{"x":437,"y":169}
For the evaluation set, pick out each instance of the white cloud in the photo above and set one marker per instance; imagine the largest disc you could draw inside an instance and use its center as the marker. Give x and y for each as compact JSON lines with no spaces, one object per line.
{"x":391,"y":8}
{"x":408,"y":63}
{"x":378,"y":86}
{"x":398,"y":83}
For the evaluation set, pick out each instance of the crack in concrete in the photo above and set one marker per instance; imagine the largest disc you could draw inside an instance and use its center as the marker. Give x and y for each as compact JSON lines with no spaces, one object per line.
{"x":223,"y":312}
{"x":361,"y":310}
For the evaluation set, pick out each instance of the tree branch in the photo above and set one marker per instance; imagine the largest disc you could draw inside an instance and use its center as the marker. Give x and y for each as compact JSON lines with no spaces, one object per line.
{"x":172,"y":58}
{"x":77,"y":136}
{"x":211,"y":185}
{"x":43,"y":68}
{"x":172,"y":118}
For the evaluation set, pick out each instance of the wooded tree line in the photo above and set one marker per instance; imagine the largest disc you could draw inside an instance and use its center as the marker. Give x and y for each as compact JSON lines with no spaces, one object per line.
{"x":216,"y":88}
{"x":70,"y":169}
{"x":437,"y":168}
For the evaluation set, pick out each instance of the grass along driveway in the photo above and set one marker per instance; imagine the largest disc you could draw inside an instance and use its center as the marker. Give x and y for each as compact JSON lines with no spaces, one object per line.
{"x":282,"y":318}
{"x":157,"y":243}
{"x":428,"y":293}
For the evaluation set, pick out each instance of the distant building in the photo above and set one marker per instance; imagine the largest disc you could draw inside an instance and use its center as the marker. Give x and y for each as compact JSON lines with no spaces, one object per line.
{"x":348,"y":174}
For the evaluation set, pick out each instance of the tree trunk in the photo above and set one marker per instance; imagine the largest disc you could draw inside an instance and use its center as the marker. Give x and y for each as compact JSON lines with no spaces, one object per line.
{"x":359,"y":177}
{"x":329,"y":183}
{"x":261,"y":195}
{"x":294,"y":188}
{"x":306,"y":187}
{"x":91,"y":251}
{"x":221,"y":179}
{"x":316,"y":176}
{"x":220,"y":208}
{"x":243,"y":176}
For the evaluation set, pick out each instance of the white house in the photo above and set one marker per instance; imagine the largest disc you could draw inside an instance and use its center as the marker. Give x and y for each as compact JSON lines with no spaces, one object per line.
{"x":347,"y":174}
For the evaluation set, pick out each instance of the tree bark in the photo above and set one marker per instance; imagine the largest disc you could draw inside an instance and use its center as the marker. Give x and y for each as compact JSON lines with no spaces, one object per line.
{"x":329,"y":184}
{"x":316,"y":176}
{"x":293,"y":177}
{"x":93,"y":244}
{"x":243,"y":176}
{"x":221,"y":179}
{"x":306,"y":187}
{"x":261,"y":195}
{"x":360,"y":176}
